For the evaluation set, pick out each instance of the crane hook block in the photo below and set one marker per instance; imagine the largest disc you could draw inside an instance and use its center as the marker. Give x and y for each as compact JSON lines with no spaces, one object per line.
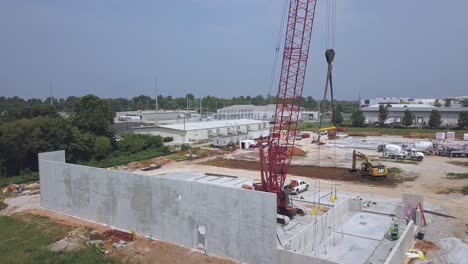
{"x":330,"y":55}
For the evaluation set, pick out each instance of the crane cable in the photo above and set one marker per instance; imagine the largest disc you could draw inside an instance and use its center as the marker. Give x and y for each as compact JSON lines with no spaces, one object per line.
{"x":329,"y":56}
{"x":276,"y":57}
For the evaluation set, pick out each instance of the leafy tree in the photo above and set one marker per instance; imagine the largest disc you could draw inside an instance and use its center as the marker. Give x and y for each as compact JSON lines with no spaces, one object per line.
{"x":463,"y":119}
{"x":102,"y":147}
{"x":60,"y":133}
{"x":258,"y":100}
{"x":435,"y":119}
{"x":464,"y":102}
{"x":408,"y":118}
{"x":190,"y":96}
{"x":43,"y":110}
{"x":94,"y":115}
{"x":132,"y":143}
{"x":358,"y":118}
{"x":447,"y":102}
{"x":437,"y":103}
{"x":20,"y":143}
{"x":310,"y":103}
{"x":339,"y":118}
{"x":383,"y":114}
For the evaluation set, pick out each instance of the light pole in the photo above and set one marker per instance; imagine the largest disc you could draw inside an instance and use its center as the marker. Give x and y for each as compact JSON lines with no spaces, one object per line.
{"x":156,"y":98}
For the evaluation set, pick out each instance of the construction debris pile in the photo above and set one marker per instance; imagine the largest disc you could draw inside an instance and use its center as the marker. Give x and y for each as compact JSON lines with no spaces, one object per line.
{"x":13,"y":190}
{"x":104,"y":242}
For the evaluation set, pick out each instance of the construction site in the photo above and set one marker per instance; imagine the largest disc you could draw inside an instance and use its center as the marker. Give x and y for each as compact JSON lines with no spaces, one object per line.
{"x":208,"y":204}
{"x":264,"y":191}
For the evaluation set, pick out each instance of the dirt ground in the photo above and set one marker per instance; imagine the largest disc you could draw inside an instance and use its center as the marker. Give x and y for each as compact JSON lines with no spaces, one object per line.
{"x":430,"y":174}
{"x":140,"y":251}
{"x":144,"y":251}
{"x":430,"y":181}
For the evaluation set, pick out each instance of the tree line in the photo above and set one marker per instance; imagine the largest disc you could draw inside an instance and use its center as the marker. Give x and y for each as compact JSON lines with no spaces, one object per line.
{"x":86,"y":136}
{"x":15,"y":107}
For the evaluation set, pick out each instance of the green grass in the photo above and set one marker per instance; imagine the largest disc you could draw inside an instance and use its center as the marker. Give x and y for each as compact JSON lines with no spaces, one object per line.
{"x":180,"y":156}
{"x":177,"y":156}
{"x":5,"y":181}
{"x":398,"y":177}
{"x":419,"y":132}
{"x":313,"y":125}
{"x":457,"y":176}
{"x":376,"y":131}
{"x":25,"y":238}
{"x":459,"y":163}
{"x":127,"y":158}
{"x":464,"y":190}
{"x":394,"y":171}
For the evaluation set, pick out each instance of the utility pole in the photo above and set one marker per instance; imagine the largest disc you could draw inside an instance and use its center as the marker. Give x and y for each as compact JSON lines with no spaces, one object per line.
{"x":186,"y":112}
{"x":156,"y":98}
{"x":51,"y":98}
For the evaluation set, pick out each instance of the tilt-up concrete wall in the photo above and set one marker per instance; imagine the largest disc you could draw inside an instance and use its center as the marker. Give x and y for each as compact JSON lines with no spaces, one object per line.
{"x":226,"y":221}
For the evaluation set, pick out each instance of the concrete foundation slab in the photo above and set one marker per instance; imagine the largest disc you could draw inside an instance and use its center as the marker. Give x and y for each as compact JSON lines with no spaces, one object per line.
{"x":367,"y":225}
{"x":350,"y":249}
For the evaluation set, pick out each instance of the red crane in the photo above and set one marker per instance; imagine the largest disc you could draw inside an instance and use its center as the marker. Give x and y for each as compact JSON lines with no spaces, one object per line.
{"x":275,"y":161}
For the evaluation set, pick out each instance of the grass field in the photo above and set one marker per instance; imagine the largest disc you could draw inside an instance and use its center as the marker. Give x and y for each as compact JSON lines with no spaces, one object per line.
{"x":457,"y":176}
{"x":123,"y":159}
{"x":407,"y":132}
{"x":33,"y":176}
{"x":404,"y":162}
{"x":378,"y":131}
{"x":24,"y":239}
{"x":459,"y":163}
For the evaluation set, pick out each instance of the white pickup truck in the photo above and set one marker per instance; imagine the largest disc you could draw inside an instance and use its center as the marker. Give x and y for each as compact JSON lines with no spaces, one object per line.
{"x":297,"y":186}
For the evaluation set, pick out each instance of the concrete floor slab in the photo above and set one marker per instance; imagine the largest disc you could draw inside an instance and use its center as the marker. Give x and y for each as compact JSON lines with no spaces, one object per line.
{"x":350,"y":249}
{"x":367,"y":225}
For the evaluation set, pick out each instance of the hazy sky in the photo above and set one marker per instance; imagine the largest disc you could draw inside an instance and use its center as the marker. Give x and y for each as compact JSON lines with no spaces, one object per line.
{"x":414,"y":48}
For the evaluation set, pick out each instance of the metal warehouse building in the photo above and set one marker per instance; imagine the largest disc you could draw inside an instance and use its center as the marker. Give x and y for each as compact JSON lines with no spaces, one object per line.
{"x":260,"y":112}
{"x":200,"y":131}
{"x":421,"y":112}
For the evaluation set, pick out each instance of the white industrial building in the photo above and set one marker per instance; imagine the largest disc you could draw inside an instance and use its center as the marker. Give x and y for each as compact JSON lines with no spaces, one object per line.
{"x":454,"y":100}
{"x":201,"y":131}
{"x":260,"y":112}
{"x":151,"y":116}
{"x":421,"y":112}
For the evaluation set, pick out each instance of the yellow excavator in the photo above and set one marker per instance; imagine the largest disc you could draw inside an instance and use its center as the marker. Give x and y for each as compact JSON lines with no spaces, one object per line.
{"x":367,"y":168}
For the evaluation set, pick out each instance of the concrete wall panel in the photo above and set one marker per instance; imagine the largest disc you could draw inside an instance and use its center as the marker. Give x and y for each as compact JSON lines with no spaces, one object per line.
{"x":80,"y":177}
{"x":62,"y":186}
{"x":397,"y":254}
{"x":239,"y":224}
{"x":251,"y":208}
{"x":48,"y":175}
{"x":58,"y":156}
{"x":100,"y":200}
{"x":141,"y":203}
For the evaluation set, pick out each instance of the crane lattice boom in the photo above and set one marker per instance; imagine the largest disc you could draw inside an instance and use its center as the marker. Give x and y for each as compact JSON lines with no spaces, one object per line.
{"x":275,"y":161}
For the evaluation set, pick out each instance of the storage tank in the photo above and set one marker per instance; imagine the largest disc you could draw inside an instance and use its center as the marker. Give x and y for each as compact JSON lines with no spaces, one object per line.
{"x":423,"y":146}
{"x":392,"y":149}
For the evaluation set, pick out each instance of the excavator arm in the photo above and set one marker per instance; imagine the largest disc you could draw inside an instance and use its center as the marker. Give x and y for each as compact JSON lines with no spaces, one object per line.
{"x":359,"y":155}
{"x":368,"y":169}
